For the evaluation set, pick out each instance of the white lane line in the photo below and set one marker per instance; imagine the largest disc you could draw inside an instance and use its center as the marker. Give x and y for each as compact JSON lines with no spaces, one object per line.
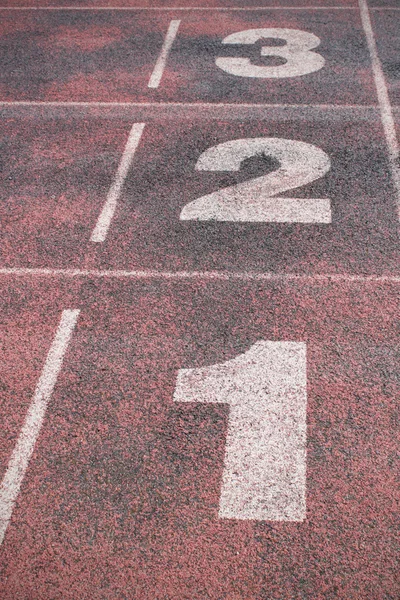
{"x":264,"y":476}
{"x":228,"y":105}
{"x":201,"y":275}
{"x":384,"y":102}
{"x":165,"y":50}
{"x":100,"y":231}
{"x":18,"y":463}
{"x":179,"y":8}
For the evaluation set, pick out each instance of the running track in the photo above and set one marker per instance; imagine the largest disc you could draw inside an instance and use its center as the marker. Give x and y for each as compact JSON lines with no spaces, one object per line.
{"x":199,"y":313}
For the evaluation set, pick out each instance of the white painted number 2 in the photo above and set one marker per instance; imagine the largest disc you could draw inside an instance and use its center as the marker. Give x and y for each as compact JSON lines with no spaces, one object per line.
{"x":264,"y":476}
{"x":296,"y":52}
{"x":258,"y":199}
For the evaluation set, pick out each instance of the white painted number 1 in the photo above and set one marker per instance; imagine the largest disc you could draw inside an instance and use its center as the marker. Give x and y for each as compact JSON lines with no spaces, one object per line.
{"x":264,"y":476}
{"x":296,"y":52}
{"x":258,"y":199}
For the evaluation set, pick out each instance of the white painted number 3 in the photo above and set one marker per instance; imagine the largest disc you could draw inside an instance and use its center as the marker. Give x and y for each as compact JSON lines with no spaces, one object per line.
{"x":264,"y":475}
{"x":258,"y":199}
{"x":296,"y":52}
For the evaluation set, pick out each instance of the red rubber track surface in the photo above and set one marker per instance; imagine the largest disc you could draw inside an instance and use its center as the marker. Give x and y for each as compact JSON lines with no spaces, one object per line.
{"x":120,"y":499}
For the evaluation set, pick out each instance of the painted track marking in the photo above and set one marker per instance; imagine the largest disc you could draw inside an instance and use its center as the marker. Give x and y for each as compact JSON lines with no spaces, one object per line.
{"x":384,"y":101}
{"x":258,"y":200}
{"x":178,"y":8}
{"x":298,"y":53}
{"x":200,"y":275}
{"x":100,"y":231}
{"x":228,"y":105}
{"x":165,"y":50}
{"x":24,"y":447}
{"x":264,"y":475}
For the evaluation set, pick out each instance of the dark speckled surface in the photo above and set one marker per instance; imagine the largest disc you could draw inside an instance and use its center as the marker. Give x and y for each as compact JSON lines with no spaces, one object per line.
{"x":109,"y":56}
{"x":387,"y":25}
{"x":60,"y":169}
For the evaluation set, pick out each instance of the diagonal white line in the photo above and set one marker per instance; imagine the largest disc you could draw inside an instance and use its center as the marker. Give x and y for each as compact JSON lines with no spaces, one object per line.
{"x":162,"y":59}
{"x":384,"y":101}
{"x":100,"y":231}
{"x":23,"y":450}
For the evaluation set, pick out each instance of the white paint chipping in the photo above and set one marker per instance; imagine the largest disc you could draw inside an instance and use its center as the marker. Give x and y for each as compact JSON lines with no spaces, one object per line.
{"x":297,"y":53}
{"x":18,"y":463}
{"x":257,"y":200}
{"x":100,"y":231}
{"x":384,"y":101}
{"x":200,"y":275}
{"x":264,"y":475}
{"x":165,"y":50}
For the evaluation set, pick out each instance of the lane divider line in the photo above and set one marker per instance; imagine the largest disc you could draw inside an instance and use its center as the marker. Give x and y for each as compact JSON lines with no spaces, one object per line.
{"x":100,"y":231}
{"x":163,"y":57}
{"x":19,"y":460}
{"x":228,"y":105}
{"x":200,"y":275}
{"x":179,"y":8}
{"x":384,"y":101}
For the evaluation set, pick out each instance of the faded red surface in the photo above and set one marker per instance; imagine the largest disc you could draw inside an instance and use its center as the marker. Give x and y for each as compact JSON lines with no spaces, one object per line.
{"x":109,"y":56}
{"x":121,"y":497}
{"x":24,"y":344}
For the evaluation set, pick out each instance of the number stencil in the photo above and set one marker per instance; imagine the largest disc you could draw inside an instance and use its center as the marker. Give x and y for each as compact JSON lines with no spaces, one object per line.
{"x":257,"y":199}
{"x":265,"y":459}
{"x":296,"y":53}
